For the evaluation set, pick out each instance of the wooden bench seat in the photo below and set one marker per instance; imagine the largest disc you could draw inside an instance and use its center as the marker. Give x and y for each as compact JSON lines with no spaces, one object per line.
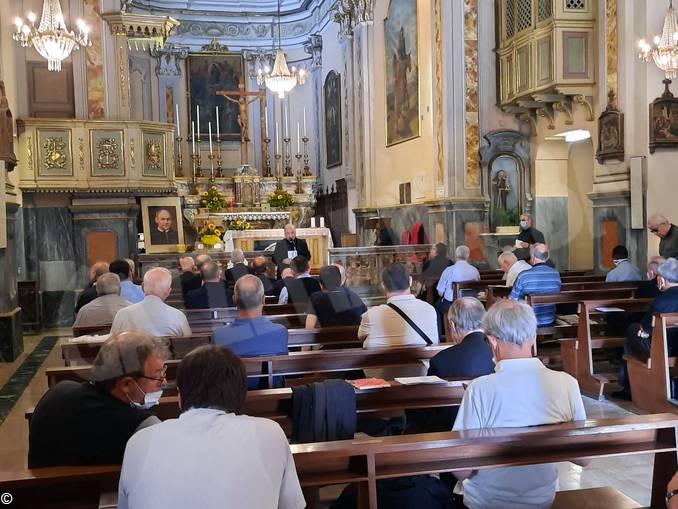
{"x":363,"y":461}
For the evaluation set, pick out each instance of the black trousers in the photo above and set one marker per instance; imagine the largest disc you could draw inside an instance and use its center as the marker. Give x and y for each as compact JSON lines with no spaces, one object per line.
{"x":634,"y":344}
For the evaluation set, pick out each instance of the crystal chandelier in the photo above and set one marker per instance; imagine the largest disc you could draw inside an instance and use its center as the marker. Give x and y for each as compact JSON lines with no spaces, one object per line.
{"x":280,"y":79}
{"x":665,"y":52}
{"x":51,"y":39}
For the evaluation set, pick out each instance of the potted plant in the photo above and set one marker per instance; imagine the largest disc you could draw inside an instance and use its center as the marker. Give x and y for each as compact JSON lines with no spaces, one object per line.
{"x":210,"y":234}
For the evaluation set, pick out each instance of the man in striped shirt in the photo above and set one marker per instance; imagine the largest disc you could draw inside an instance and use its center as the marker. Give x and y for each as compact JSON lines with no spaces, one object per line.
{"x":539,"y":279}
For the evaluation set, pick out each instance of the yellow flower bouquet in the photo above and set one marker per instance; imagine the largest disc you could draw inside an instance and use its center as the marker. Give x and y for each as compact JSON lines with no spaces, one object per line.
{"x":212,"y":199}
{"x":238,"y":224}
{"x":280,"y":199}
{"x":211,"y":234}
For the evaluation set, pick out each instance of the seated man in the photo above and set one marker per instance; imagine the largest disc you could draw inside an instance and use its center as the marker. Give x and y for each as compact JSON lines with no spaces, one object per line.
{"x":152,"y":314}
{"x":210,"y":457}
{"x":539,"y":279}
{"x":639,"y":335}
{"x":462,"y":270}
{"x":90,"y":293}
{"x":89,"y":423}
{"x":647,"y":289}
{"x":623,"y":270}
{"x":251,"y":333}
{"x":238,"y":269}
{"x":260,"y":269}
{"x":299,"y":290}
{"x":509,"y":263}
{"x":189,"y":277}
{"x":279,"y":284}
{"x":335,"y":305}
{"x":521,"y":392}
{"x":214,"y":293}
{"x":128,"y":290}
{"x":102,"y":310}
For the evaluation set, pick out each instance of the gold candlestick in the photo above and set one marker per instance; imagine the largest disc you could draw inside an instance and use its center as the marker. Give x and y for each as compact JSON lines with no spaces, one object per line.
{"x":267,"y":159}
{"x":194,"y":183}
{"x":299,"y":189}
{"x":197,"y":165}
{"x":179,"y":172}
{"x":211,"y":158}
{"x":219,"y":173}
{"x":278,"y":172}
{"x":307,"y":168}
{"x":288,"y":158}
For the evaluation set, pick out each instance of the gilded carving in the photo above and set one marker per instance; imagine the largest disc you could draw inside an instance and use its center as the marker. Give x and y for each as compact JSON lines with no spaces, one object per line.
{"x":55,"y":153}
{"x":611,"y":43}
{"x":81,"y":154}
{"x":29,"y":153}
{"x":107,"y":153}
{"x":153,"y":155}
{"x":439,"y":92}
{"x":472,"y":174}
{"x":122,"y":69}
{"x":132,"y":152}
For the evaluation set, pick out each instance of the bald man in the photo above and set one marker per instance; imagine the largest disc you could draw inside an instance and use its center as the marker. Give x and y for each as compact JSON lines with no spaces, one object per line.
{"x":152,"y":314}
{"x":289,"y":247}
{"x":164,"y":232}
{"x":90,"y":293}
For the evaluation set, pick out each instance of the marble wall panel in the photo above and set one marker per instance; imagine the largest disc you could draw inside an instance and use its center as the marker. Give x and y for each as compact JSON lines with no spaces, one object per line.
{"x":472,"y":173}
{"x":54,"y":227}
{"x":96,"y":92}
{"x":551,"y":212}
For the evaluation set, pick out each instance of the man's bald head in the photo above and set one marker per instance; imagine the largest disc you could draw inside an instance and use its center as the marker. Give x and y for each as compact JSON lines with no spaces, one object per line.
{"x":158,"y":282}
{"x":187,"y":264}
{"x":202,"y":258}
{"x":97,"y":270}
{"x":249,"y":293}
{"x":290,"y":232}
{"x":539,"y":253}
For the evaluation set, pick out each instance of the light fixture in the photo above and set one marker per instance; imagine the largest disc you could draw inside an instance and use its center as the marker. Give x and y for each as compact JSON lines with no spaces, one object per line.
{"x":574,"y":135}
{"x":665,"y":52}
{"x":51,"y":39}
{"x":280,"y":79}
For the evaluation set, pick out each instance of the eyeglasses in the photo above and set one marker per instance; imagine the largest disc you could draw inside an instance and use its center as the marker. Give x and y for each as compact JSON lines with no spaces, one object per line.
{"x":162,"y":376}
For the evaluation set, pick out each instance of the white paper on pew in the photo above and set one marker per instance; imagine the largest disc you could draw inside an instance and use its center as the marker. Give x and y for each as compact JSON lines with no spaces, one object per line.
{"x":416,"y":380}
{"x":90,"y":339}
{"x":604,"y":309}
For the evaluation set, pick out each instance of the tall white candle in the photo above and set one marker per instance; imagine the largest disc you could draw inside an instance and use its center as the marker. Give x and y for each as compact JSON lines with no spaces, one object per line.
{"x":193,"y":136}
{"x":305,"y":132}
{"x":197,"y":115}
{"x":322,"y":222}
{"x":209,"y":129}
{"x":218,"y":134}
{"x":298,"y":139}
{"x":266,"y":119}
{"x":277,"y":138}
{"x":287,"y":121}
{"x":176,"y":120}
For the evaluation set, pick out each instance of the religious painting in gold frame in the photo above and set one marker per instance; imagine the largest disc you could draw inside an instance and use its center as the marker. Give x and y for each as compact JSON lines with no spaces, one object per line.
{"x":55,"y":153}
{"x":162,"y":222}
{"x":664,"y":120}
{"x":208,"y":72}
{"x":401,"y":43}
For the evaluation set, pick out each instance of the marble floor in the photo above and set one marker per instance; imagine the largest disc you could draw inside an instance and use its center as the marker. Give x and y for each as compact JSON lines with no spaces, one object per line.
{"x":631,"y":475}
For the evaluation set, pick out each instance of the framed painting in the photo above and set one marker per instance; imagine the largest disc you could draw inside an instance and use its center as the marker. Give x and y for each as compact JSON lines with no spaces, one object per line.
{"x":163,"y":230}
{"x":332,"y":98}
{"x":664,"y":120}
{"x":209,"y":73}
{"x":402,"y":71}
{"x":610,"y":134}
{"x":107,"y":151}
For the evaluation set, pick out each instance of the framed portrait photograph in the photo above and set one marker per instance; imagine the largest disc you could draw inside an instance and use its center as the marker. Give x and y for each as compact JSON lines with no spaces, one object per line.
{"x":163,"y":230}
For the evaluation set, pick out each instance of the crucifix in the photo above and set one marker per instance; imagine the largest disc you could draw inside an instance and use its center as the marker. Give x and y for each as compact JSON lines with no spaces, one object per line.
{"x":239,"y":97}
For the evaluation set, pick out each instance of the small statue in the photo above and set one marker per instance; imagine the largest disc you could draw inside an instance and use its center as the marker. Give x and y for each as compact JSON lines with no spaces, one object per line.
{"x":502,"y":187}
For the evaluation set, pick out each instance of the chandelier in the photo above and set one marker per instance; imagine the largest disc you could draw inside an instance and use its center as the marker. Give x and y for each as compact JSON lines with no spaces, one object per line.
{"x":280,"y":79}
{"x":665,"y":52}
{"x":51,"y":39}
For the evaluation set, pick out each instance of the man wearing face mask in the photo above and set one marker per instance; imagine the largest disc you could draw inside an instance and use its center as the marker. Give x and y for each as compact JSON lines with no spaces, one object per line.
{"x":623,"y":270}
{"x":89,"y":423}
{"x":529,"y":235}
{"x":639,"y":335}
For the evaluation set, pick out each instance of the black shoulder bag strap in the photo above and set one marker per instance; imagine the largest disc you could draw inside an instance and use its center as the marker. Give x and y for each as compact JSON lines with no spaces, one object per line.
{"x":410,"y":323}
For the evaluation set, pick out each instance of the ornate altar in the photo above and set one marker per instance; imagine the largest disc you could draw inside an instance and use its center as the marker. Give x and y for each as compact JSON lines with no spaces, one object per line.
{"x":247,"y":186}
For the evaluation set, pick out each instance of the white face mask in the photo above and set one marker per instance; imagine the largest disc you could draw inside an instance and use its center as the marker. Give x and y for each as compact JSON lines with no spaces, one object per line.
{"x":523,"y":225}
{"x":617,"y":262}
{"x":150,"y":399}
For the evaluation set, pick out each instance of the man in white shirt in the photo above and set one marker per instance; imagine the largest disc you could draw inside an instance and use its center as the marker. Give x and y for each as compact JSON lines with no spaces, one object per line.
{"x":521,"y":392}
{"x":103,"y":309}
{"x":509,"y":263}
{"x":462,"y":270}
{"x":152,"y":314}
{"x":210,"y":457}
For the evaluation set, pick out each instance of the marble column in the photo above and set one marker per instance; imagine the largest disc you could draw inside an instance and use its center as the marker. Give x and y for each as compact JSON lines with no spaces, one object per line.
{"x":11,"y":335}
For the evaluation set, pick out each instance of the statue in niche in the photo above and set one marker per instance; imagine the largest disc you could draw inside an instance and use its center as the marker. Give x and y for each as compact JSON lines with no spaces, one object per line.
{"x":504,"y":184}
{"x":502,"y":187}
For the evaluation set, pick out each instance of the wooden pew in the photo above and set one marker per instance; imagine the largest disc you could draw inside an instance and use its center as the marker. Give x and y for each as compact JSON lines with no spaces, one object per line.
{"x":296,"y":363}
{"x":650,"y":377}
{"x":578,"y":353}
{"x":364,"y":461}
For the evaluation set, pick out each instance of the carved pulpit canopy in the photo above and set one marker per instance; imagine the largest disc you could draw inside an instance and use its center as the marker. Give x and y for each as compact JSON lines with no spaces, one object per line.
{"x":6,"y":131}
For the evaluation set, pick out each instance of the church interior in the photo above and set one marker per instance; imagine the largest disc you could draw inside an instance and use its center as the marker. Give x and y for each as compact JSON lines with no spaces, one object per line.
{"x":260,"y":147}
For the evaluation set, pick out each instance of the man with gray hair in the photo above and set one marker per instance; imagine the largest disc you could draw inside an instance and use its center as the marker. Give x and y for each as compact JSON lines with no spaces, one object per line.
{"x":521,"y":392}
{"x":102,"y":310}
{"x":462,"y":270}
{"x":509,"y":263}
{"x":238,"y":267}
{"x":251,"y":333}
{"x":152,"y":314}
{"x":539,"y":279}
{"x":89,"y":423}
{"x":667,"y":232}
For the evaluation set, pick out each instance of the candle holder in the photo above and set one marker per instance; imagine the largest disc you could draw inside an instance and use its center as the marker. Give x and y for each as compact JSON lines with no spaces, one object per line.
{"x":278,"y":168}
{"x":307,"y":168}
{"x":300,"y":188}
{"x":267,"y":159}
{"x":219,"y":172}
{"x":288,"y":158}
{"x":197,"y":169}
{"x":211,"y":157}
{"x":179,"y":172}
{"x":194,"y":182}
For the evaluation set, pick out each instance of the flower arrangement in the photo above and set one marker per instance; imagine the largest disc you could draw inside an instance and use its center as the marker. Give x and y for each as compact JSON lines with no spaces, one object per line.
{"x":211,"y":234}
{"x":213,"y":199}
{"x":281,"y":199}
{"x":238,"y":224}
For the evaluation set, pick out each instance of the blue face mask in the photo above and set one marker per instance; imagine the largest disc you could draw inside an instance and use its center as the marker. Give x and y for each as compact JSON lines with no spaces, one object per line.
{"x":523,"y":225}
{"x":150,"y":399}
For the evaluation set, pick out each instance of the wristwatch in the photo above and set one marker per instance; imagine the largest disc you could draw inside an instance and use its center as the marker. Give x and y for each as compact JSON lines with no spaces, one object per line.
{"x":670,"y":495}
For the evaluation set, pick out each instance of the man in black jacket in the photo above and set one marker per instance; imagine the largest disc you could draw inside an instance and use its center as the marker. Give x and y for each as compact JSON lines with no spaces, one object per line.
{"x":213,"y":293}
{"x":298,"y":291}
{"x":188,"y":278}
{"x":238,"y":269}
{"x":90,"y":293}
{"x":288,"y":248}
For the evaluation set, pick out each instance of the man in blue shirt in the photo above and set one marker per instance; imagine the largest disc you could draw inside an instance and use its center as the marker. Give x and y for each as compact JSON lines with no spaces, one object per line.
{"x":462,"y":270}
{"x":538,"y":280}
{"x":128,"y":290}
{"x":623,"y":270}
{"x":251,"y":334}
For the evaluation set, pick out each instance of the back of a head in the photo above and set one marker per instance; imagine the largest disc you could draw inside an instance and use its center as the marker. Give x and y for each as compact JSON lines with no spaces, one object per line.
{"x":212,"y":377}
{"x":237,"y":256}
{"x":330,"y":277}
{"x":121,"y":268}
{"x":395,"y":278}
{"x":248,"y":292}
{"x":259,"y":265}
{"x":124,"y":354}
{"x":287,"y":273}
{"x":511,"y":321}
{"x":108,"y":284}
{"x":467,"y":314}
{"x":130,"y":262}
{"x":157,"y":281}
{"x":210,"y":271}
{"x":441,"y":249}
{"x":202,"y":258}
{"x":539,"y":252}
{"x":98,"y":269}
{"x":342,"y":271}
{"x":522,"y":254}
{"x":653,"y":265}
{"x":462,"y":253}
{"x":507,"y":257}
{"x":186,"y":263}
{"x":299,"y":265}
{"x":669,"y":270}
{"x":620,"y":253}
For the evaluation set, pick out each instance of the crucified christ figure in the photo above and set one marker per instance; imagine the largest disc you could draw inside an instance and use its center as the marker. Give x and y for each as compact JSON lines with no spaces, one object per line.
{"x":243,"y":120}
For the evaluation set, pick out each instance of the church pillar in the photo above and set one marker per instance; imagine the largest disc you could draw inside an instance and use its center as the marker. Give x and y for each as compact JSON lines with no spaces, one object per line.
{"x":116,"y":67}
{"x":11,"y":336}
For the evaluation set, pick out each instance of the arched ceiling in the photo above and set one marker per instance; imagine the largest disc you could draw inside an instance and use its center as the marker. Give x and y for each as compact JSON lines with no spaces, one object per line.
{"x":226,"y":8}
